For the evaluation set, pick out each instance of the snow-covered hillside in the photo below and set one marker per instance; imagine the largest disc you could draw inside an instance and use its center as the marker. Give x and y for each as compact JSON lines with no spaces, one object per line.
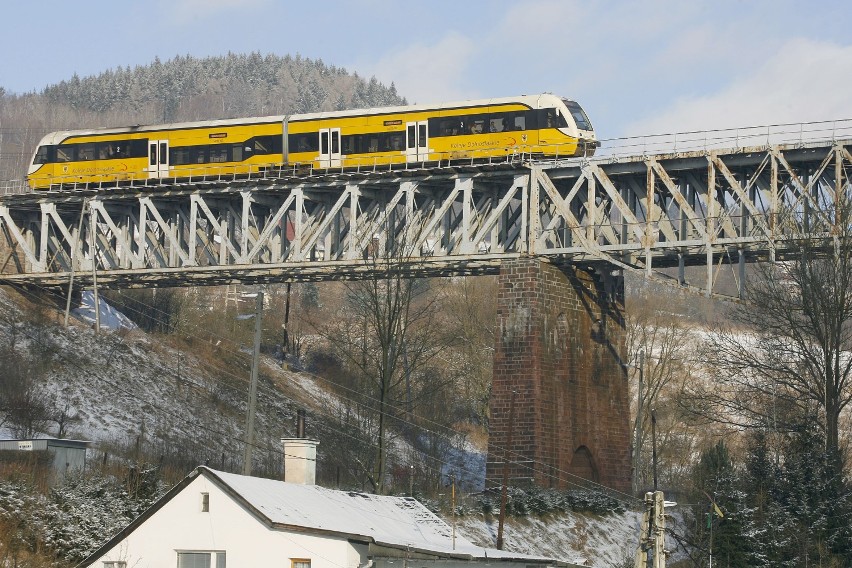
{"x":127,"y":385}
{"x":591,"y":540}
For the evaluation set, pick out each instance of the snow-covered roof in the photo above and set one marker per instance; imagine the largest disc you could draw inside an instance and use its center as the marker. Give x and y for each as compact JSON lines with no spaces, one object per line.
{"x":396,"y":522}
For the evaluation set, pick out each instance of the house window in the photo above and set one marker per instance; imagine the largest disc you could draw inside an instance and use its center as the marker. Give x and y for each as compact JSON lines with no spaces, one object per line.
{"x":115,"y":564}
{"x":300,"y":563}
{"x":205,"y":502}
{"x":201,"y":560}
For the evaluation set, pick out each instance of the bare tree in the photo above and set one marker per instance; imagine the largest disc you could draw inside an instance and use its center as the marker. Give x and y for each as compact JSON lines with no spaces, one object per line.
{"x":471,"y":311}
{"x":26,"y":408}
{"x":658,"y":354}
{"x":387,"y":335}
{"x":789,"y":361}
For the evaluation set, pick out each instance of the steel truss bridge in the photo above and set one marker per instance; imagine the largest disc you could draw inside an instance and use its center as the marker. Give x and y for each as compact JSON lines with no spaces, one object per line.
{"x":641,"y":212}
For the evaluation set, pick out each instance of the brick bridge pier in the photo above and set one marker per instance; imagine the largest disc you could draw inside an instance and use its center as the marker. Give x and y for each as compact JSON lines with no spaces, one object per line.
{"x":561,"y":347}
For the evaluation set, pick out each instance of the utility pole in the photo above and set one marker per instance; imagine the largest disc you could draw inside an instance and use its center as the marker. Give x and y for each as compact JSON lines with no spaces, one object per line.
{"x":654,"y":445}
{"x":258,"y":313}
{"x":652,"y":539}
{"x":637,"y":426}
{"x":453,"y":505}
{"x":506,"y":451}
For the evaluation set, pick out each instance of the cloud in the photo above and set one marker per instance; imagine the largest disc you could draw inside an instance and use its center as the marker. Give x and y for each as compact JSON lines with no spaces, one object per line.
{"x":806,"y":80}
{"x":426,"y":73}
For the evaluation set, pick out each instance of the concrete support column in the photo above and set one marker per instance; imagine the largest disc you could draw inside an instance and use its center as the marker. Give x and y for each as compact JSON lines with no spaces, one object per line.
{"x":561,"y":347}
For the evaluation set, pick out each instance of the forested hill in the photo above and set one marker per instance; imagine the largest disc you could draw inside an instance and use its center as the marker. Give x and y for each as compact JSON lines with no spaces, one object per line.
{"x":181,"y":89}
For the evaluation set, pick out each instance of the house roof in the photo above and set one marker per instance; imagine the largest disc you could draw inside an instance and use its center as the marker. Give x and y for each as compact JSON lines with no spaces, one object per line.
{"x":394,"y":522}
{"x":400,"y":523}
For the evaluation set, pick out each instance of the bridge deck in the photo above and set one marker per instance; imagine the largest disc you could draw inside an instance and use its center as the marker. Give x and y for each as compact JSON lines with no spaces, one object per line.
{"x":630,"y":212}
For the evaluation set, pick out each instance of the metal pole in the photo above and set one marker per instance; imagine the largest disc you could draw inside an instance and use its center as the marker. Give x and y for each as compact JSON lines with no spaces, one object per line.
{"x":258,"y":312}
{"x":506,"y":451}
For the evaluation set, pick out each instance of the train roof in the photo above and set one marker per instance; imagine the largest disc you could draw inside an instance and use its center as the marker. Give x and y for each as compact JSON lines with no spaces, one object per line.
{"x":56,"y":137}
{"x":533,"y":101}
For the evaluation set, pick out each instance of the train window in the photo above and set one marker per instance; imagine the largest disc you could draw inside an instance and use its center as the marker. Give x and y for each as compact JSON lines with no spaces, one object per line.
{"x":65,"y":153}
{"x":120,"y":149}
{"x":347,"y":145}
{"x":237,"y":152}
{"x":152,"y":154}
{"x":41,"y":156}
{"x":324,"y":142}
{"x":449,"y":126}
{"x":303,"y":142}
{"x":179,"y":156}
{"x":550,"y":118}
{"x":477,"y":125}
{"x":198,"y":154}
{"x":357,"y":143}
{"x":497,"y":124}
{"x":390,"y":141}
{"x":218,"y":154}
{"x":267,"y":145}
{"x":85,"y":152}
{"x":137,"y":148}
{"x":335,"y":142}
{"x":519,"y":122}
{"x":396,"y":141}
{"x":372,"y":143}
{"x":411,"y":137}
{"x":114,"y":149}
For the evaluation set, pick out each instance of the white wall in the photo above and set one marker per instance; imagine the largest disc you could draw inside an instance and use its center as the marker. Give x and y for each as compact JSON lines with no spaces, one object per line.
{"x":180,"y":525}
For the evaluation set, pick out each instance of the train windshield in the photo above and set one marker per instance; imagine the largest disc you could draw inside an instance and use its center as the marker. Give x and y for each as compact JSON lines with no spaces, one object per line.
{"x":579,"y":116}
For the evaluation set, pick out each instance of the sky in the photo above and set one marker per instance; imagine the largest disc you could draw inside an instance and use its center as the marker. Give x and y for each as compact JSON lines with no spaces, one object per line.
{"x":638,"y":68}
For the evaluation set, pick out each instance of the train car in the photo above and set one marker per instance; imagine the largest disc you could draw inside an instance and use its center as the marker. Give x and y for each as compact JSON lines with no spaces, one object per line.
{"x":480,"y":130}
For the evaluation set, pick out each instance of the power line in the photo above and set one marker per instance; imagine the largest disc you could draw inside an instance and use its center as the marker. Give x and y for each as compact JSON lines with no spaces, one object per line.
{"x":523,"y":463}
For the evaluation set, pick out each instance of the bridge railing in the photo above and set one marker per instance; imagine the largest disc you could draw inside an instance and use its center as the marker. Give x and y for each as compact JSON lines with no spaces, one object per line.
{"x":13,"y":186}
{"x":726,"y":138}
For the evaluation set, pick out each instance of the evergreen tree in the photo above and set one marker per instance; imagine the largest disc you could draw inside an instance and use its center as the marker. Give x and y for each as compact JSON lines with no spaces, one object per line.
{"x":716,"y":491}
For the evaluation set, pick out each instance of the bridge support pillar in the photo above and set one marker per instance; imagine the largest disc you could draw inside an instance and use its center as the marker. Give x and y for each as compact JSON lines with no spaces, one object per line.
{"x":561,"y":347}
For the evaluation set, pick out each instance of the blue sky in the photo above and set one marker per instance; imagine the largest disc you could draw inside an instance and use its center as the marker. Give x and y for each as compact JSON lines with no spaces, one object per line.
{"x":637,"y":67}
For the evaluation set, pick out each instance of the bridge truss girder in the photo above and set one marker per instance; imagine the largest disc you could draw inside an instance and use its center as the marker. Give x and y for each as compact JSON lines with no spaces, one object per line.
{"x":634,"y":213}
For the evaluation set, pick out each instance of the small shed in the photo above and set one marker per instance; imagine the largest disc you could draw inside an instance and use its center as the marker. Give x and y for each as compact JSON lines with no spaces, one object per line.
{"x":60,"y":456}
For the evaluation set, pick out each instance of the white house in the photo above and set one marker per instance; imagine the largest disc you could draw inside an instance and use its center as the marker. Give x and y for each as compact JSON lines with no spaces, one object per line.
{"x":214,"y":519}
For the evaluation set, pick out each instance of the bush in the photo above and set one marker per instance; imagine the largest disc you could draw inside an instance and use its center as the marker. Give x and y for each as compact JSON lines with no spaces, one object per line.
{"x":73,"y":519}
{"x":537,"y":501}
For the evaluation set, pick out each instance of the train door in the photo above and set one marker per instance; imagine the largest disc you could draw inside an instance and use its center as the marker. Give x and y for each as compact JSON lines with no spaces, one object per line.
{"x":329,"y":155}
{"x":417,"y":141}
{"x":158,"y":159}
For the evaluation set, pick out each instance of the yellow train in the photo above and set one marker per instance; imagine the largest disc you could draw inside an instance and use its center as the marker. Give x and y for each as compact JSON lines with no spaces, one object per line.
{"x":490,"y":129}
